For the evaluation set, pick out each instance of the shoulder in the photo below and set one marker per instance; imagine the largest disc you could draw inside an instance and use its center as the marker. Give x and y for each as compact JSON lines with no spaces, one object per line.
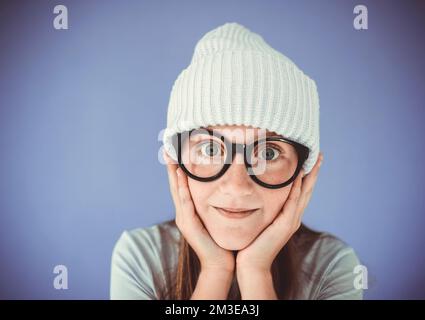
{"x":331,"y":262}
{"x":148,"y":244}
{"x":140,"y":258}
{"x":329,"y":248}
{"x":152,"y":237}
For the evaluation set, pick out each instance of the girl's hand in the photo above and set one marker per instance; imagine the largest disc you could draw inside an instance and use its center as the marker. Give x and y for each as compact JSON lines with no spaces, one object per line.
{"x":260,"y":254}
{"x":212,"y":257}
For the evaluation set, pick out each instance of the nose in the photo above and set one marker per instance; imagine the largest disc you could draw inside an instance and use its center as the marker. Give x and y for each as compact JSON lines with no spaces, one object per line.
{"x":236,"y":180}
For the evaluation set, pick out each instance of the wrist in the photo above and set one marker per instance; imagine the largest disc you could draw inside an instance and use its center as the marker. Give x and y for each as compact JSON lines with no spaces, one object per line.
{"x":221,"y":269}
{"x":258,"y":273}
{"x":256,"y":284}
{"x":251,"y":269}
{"x":217,"y":273}
{"x":212,"y":284}
{"x":217,"y":280}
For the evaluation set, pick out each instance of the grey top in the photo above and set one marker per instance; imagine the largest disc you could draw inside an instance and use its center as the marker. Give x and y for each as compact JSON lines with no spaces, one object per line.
{"x":141,"y":256}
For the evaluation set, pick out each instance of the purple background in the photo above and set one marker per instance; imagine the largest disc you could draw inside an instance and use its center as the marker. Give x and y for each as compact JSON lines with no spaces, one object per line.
{"x":81,"y":110}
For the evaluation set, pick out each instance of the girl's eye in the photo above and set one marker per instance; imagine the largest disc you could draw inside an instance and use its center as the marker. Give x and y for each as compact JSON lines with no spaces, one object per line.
{"x":210,"y":149}
{"x":269,"y":153}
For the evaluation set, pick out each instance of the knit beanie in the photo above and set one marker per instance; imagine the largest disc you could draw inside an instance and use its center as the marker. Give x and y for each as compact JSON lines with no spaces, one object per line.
{"x":236,"y":78}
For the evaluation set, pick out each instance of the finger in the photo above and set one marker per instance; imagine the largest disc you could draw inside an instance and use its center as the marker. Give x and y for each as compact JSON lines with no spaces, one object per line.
{"x":279,"y":231}
{"x":188,"y":221}
{"x":183,"y":186}
{"x":171,"y":164}
{"x":309,"y":182}
{"x":173,"y":182}
{"x":289,"y":211}
{"x":310,"y":178}
{"x":167,"y":158}
{"x":172,"y":178}
{"x":191,"y":224}
{"x":290,"y":208}
{"x":186,"y":203}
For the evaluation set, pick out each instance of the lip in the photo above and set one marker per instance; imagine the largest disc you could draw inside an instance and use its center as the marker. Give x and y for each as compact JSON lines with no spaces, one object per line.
{"x":237,"y":210}
{"x":235,"y":214}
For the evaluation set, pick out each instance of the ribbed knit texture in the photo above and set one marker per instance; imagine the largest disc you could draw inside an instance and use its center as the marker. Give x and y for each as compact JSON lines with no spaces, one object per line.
{"x":236,"y":78}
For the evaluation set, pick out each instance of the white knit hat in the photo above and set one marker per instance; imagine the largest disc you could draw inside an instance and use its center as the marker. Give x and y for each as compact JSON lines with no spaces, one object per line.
{"x":236,"y":78}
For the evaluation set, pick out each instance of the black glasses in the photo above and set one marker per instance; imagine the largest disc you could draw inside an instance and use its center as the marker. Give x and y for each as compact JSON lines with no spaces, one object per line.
{"x":272,"y":162}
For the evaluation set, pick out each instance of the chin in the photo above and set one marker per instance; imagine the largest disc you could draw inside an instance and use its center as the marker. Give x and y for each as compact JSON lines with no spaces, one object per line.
{"x":228,"y":234}
{"x":231,"y":243}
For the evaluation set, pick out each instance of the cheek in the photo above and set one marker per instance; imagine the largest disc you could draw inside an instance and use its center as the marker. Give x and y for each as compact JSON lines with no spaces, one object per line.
{"x":274,"y":201}
{"x":200,"y":192}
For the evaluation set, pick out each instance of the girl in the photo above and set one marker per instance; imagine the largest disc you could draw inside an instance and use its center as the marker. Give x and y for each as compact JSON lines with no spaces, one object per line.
{"x":242,"y":154}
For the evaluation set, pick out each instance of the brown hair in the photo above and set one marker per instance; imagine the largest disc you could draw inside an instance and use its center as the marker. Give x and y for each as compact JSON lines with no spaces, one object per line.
{"x":286,"y":268}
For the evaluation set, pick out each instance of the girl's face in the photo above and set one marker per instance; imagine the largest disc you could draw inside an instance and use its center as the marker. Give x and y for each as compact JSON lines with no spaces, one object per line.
{"x":236,"y":189}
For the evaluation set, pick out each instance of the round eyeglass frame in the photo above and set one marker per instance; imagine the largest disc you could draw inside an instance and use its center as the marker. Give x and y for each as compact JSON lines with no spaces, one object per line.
{"x":301,"y":150}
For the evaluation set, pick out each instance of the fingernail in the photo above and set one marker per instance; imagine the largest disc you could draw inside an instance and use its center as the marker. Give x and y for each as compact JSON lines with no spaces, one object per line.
{"x":178,"y":172}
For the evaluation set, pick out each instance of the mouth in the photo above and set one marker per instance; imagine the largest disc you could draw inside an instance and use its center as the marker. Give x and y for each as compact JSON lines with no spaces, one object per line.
{"x":235,"y":213}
